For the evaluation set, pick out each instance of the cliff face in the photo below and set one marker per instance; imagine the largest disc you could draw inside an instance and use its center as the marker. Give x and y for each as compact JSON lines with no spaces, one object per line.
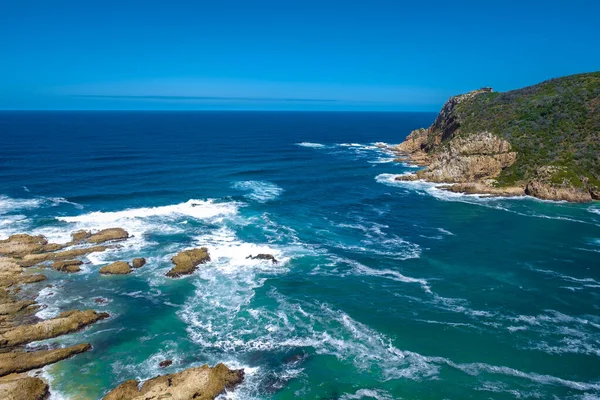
{"x":543,"y":140}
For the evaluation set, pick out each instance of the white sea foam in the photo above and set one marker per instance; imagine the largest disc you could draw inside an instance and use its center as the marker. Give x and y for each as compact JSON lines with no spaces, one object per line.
{"x":8,"y":204}
{"x":260,"y":191}
{"x":594,"y":210}
{"x":312,"y":145}
{"x":360,"y":394}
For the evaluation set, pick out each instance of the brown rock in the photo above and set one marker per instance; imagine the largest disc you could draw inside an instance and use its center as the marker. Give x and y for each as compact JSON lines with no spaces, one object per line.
{"x":80,"y":236}
{"x":33,"y":259}
{"x":116,"y":268}
{"x":15,"y":307}
{"x":15,"y":362}
{"x":482,"y":188}
{"x":66,"y":322}
{"x":165,"y":363}
{"x":109,"y":234}
{"x":202,"y":383}
{"x":548,"y":191}
{"x":99,"y":300}
{"x":21,"y":245}
{"x":20,"y":387}
{"x":67,"y":265}
{"x":187,"y":261}
{"x":138,"y":262}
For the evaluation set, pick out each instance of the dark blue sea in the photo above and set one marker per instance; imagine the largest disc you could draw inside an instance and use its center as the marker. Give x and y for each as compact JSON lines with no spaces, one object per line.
{"x":383,"y":290}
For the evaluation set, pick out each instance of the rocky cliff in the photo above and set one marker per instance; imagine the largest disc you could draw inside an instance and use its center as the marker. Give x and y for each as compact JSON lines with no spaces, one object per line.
{"x":542,"y":140}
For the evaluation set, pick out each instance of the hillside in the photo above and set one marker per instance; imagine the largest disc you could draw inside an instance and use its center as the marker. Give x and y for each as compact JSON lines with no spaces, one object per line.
{"x":544,"y":139}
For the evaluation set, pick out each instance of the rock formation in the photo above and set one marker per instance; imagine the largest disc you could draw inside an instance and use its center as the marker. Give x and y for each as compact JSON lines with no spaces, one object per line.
{"x":116,"y":268}
{"x":138,"y":262}
{"x":23,"y":387}
{"x":15,"y":362}
{"x":106,"y":235}
{"x":263,"y":257}
{"x":202,"y":383}
{"x":187,"y":261}
{"x":67,"y":265}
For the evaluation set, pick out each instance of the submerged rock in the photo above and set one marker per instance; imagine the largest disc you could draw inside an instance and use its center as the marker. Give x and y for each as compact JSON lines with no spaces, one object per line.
{"x":116,"y":268}
{"x":106,"y":235}
{"x":66,"y":322}
{"x":202,"y":383}
{"x":18,"y":387}
{"x":67,"y":265}
{"x":15,"y":362}
{"x":263,"y":257}
{"x":187,"y":261}
{"x":138,"y":262}
{"x":165,"y":363}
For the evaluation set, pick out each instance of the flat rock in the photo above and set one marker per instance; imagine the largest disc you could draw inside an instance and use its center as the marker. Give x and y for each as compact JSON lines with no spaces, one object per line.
{"x":66,"y":322}
{"x":21,"y":387}
{"x":33,"y":259}
{"x":22,"y":244}
{"x":138,"y":262}
{"x":116,"y":268}
{"x":15,"y":362}
{"x":80,"y":236}
{"x":187,"y":261}
{"x":67,"y":265}
{"x":109,"y":234}
{"x":202,"y":383}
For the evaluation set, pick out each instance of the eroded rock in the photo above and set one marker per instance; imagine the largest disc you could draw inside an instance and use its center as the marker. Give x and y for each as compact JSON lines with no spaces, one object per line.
{"x":202,"y":383}
{"x":187,"y":261}
{"x":15,"y":362}
{"x":138,"y":262}
{"x":106,"y":235}
{"x":116,"y":268}
{"x":19,"y":387}
{"x":67,"y":265}
{"x":261,"y":256}
{"x":33,"y":259}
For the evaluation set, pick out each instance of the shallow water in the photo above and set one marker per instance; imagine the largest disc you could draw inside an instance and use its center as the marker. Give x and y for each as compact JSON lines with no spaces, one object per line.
{"x":384,"y":290}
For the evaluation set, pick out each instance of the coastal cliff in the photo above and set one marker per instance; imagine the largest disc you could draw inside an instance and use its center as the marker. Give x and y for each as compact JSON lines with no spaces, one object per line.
{"x":542,"y":140}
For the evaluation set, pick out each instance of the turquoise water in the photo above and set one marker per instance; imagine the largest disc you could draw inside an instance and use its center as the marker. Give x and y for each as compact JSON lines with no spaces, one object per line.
{"x":384,"y":290}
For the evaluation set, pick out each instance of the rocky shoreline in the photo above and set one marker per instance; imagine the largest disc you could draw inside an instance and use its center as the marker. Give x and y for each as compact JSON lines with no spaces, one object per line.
{"x":473,"y":162}
{"x":19,"y":326}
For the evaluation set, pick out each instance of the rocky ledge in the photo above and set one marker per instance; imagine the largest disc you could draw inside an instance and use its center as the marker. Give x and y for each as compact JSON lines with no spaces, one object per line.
{"x":202,"y":383}
{"x":187,"y":261}
{"x":485,"y":142}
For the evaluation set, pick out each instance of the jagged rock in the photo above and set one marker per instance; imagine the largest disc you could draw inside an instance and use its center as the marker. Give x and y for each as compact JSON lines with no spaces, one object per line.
{"x":187,"y":261}
{"x":548,"y":191}
{"x":138,"y":262}
{"x":202,"y":383}
{"x":22,"y":387}
{"x":15,"y":362}
{"x":80,"y":236}
{"x":22,"y":244}
{"x":116,"y":268}
{"x":33,"y":259}
{"x":263,"y":257}
{"x":67,"y":265}
{"x":106,"y":235}
{"x":66,"y":322}
{"x":15,"y":307}
{"x":165,"y":363}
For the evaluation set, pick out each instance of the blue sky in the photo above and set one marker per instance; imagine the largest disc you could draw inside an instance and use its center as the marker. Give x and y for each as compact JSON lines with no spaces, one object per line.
{"x":284,"y":54}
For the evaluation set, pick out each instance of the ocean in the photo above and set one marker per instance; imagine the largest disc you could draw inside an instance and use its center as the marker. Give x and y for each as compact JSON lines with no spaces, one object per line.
{"x":383,"y":290}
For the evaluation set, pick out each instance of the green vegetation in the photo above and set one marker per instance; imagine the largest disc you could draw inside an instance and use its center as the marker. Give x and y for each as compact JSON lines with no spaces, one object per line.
{"x":554,"y":123}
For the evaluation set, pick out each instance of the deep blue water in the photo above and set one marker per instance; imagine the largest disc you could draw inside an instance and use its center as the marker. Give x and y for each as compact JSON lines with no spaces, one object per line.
{"x":383,"y":290}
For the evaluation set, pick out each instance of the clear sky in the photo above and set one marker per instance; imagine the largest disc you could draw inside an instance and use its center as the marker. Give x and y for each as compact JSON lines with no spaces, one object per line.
{"x":284,"y":54}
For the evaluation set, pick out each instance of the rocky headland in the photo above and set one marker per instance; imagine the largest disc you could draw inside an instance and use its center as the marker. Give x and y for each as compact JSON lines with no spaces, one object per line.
{"x":19,"y":326}
{"x":542,"y":141}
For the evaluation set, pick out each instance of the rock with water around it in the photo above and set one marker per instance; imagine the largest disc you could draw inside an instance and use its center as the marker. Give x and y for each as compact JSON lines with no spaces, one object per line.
{"x":66,"y":322}
{"x":270,"y":257}
{"x":138,"y":262}
{"x":187,"y":261}
{"x":67,"y":265}
{"x":33,"y":259}
{"x":109,"y":234}
{"x":80,"y":236}
{"x":202,"y":383}
{"x":165,"y":363}
{"x":116,"y":268}
{"x":21,"y":245}
{"x":20,"y":361}
{"x":19,"y":387}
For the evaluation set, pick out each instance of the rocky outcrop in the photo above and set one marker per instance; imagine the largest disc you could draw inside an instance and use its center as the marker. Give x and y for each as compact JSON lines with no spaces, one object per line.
{"x":67,"y":265}
{"x":22,"y":244}
{"x":269,"y":257}
{"x":66,"y":322}
{"x":187,"y":261}
{"x":116,"y":268}
{"x":106,"y":235}
{"x":32,"y":259}
{"x":202,"y":383}
{"x":22,"y":387}
{"x":138,"y":262}
{"x":80,"y":236}
{"x":15,"y":362}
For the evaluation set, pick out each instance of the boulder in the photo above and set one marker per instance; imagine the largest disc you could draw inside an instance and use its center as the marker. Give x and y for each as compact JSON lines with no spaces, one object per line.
{"x":106,"y":235}
{"x":138,"y":262}
{"x":116,"y":268}
{"x":187,"y":261}
{"x":67,"y":265}
{"x":19,"y":387}
{"x":15,"y":362}
{"x":66,"y":322}
{"x":202,"y":383}
{"x":263,"y":257}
